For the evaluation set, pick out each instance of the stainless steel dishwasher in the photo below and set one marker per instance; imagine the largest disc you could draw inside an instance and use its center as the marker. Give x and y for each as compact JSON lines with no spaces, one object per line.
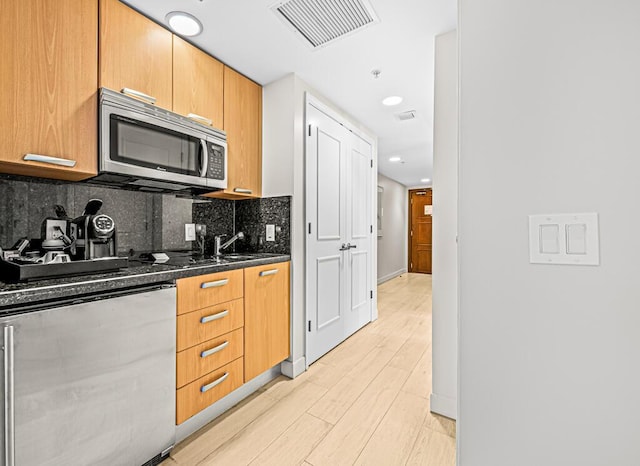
{"x":91,"y":383}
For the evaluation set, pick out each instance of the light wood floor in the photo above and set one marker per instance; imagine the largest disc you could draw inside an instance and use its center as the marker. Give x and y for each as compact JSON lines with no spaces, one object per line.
{"x":364,"y":403}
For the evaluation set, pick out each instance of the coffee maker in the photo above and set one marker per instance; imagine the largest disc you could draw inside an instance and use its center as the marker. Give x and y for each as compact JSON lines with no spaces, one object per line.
{"x":94,"y":234}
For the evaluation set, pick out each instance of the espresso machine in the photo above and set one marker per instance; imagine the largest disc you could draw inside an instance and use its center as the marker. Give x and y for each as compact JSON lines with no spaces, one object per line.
{"x":94,"y":234}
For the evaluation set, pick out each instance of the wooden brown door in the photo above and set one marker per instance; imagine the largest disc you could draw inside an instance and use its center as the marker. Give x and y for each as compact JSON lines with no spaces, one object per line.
{"x":420,"y":230}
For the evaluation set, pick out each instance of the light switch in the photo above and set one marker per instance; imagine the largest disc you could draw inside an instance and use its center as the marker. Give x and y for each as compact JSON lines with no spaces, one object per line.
{"x":549,"y":239}
{"x":576,"y":238}
{"x":570,"y":239}
{"x":271,"y":232}
{"x":189,"y":231}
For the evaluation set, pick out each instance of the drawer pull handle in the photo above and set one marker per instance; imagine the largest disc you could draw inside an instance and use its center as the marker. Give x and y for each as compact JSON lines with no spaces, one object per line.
{"x":213,"y":317}
{"x":139,"y":95}
{"x":200,"y":119}
{"x":215,"y":284}
{"x":211,"y":351}
{"x":218,"y":381}
{"x":49,"y":159}
{"x":242,"y":190}
{"x":265,"y":273}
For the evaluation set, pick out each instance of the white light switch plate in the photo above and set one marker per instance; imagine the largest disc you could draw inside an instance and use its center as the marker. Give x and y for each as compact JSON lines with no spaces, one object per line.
{"x":271,"y":232}
{"x":564,"y":239}
{"x":189,"y":231}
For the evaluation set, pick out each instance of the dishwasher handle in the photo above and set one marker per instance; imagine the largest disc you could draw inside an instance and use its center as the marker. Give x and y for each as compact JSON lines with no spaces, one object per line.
{"x":9,"y":401}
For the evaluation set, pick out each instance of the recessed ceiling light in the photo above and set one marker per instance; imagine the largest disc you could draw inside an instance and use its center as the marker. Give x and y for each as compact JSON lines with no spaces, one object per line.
{"x":394,"y":159}
{"x":392,"y":100}
{"x":425,"y":180}
{"x":184,"y":24}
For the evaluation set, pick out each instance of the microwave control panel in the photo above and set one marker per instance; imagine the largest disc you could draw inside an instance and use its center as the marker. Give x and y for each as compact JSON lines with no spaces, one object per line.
{"x":215,"y":170}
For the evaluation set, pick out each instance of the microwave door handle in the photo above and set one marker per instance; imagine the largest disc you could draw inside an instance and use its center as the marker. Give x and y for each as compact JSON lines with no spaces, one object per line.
{"x":204,"y":165}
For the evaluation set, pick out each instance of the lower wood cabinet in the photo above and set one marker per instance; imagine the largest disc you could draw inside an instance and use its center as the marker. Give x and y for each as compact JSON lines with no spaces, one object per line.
{"x":266,"y":317}
{"x":231,"y":327}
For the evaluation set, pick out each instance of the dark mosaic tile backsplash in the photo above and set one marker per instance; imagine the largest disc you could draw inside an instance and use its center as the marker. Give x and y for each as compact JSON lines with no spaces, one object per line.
{"x":250,"y":216}
{"x":144,"y":221}
{"x":254,"y":215}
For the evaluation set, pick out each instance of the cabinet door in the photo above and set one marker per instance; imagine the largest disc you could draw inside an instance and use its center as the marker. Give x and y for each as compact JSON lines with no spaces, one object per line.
{"x":48,"y":77}
{"x":197,"y":83}
{"x":266,"y":313}
{"x":243,"y":124}
{"x":135,"y":53}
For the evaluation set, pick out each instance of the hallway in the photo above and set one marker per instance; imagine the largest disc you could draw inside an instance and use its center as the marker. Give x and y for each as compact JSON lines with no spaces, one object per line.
{"x":364,"y":403}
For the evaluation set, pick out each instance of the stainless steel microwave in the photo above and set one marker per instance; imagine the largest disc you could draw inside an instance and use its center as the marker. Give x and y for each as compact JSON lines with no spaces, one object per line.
{"x":151,"y":149}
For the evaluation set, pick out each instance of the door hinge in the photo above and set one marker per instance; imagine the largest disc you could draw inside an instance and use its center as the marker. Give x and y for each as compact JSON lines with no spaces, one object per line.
{"x":371,"y":163}
{"x":309,"y":325}
{"x":371,"y":228}
{"x":309,"y":227}
{"x":309,"y":130}
{"x":412,"y":233}
{"x":371,"y":294}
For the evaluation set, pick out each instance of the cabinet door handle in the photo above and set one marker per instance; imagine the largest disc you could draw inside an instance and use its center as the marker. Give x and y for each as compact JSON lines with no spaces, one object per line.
{"x":211,"y":351}
{"x":49,"y":159}
{"x":9,"y":401}
{"x":242,"y":190}
{"x":265,"y":273}
{"x":214,"y":284}
{"x":352,"y":246}
{"x":213,"y":317}
{"x":139,"y":95}
{"x":218,"y":381}
{"x":345,"y":247}
{"x":200,"y":119}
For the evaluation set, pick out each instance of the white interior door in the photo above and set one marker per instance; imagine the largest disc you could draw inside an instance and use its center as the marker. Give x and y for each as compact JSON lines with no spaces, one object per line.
{"x":339,"y":178}
{"x":326,"y":222}
{"x":359,"y":234}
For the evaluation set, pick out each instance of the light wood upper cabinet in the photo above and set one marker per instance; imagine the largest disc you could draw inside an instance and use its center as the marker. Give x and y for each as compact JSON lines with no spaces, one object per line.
{"x":135,"y":53}
{"x":48,"y":82}
{"x":243,"y":124}
{"x":266,"y":317}
{"x":197,"y":83}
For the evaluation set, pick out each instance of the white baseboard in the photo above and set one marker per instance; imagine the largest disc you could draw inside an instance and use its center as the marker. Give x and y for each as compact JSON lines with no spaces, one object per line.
{"x":443,"y":405}
{"x":388,"y":277}
{"x":207,"y":415}
{"x":293,"y":369}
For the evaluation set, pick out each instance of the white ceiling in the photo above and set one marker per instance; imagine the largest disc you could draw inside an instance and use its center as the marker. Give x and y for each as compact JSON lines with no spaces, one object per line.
{"x":248,"y":36}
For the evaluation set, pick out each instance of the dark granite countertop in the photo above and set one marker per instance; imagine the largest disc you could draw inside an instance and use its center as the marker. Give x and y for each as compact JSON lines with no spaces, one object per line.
{"x":15,"y":297}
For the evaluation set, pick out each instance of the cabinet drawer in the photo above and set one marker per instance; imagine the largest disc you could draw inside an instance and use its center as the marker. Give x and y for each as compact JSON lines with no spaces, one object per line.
{"x":202,"y":325}
{"x":191,"y":398}
{"x":206,"y":290}
{"x":208,"y":356}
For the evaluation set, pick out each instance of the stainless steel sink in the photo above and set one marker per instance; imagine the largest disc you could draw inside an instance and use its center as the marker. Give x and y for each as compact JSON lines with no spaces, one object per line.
{"x":239,"y":257}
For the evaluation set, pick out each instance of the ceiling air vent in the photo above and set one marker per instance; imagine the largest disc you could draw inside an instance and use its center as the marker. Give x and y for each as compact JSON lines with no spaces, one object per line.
{"x":408,"y":115}
{"x":320,"y":22}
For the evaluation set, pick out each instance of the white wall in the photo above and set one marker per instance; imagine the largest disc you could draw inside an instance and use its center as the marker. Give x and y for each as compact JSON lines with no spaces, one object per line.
{"x":550,"y":117}
{"x":392,"y":245}
{"x":445,"y":228}
{"x":278,"y":140}
{"x":283,"y":174}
